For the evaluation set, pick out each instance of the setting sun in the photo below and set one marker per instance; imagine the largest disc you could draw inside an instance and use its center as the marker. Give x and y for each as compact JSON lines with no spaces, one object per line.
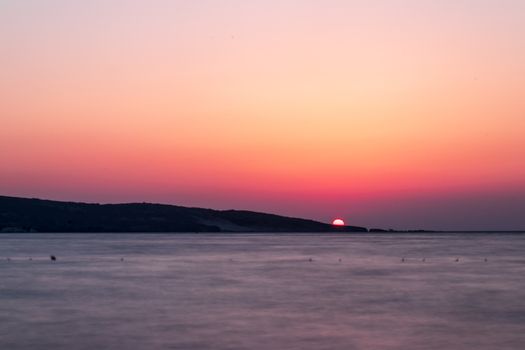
{"x":338,"y":222}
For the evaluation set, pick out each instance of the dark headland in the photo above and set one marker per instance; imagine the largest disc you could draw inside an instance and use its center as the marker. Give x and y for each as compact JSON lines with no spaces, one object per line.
{"x":36,"y":215}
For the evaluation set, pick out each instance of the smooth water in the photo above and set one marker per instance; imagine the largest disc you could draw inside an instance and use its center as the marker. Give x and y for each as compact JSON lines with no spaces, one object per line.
{"x":261,"y":291}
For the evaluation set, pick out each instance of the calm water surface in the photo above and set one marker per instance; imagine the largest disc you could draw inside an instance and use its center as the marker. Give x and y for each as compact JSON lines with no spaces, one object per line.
{"x":247,"y":291}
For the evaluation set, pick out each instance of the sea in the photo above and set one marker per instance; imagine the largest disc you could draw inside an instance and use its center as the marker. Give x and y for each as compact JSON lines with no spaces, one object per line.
{"x":262,"y":291}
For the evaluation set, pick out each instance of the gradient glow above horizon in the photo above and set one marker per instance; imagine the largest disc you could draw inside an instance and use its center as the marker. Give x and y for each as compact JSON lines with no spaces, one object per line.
{"x":403,"y":114}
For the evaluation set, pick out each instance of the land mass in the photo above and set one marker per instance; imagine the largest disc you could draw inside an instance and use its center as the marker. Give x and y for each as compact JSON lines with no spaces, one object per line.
{"x":37,"y":215}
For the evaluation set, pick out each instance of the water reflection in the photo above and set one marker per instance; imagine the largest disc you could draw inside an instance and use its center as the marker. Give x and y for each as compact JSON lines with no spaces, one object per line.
{"x":262,"y":291}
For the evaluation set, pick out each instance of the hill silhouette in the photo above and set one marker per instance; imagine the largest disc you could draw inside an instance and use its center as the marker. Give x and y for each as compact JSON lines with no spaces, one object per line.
{"x":37,"y":215}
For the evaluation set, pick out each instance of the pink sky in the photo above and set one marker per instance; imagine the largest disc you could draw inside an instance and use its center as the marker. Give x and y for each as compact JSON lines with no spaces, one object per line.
{"x":404,"y":114}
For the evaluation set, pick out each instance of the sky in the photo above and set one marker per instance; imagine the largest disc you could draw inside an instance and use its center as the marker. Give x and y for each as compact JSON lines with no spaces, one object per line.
{"x":400,"y":114}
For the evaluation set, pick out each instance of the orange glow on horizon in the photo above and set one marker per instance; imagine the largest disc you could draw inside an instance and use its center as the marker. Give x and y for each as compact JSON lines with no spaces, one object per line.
{"x":248,"y":104}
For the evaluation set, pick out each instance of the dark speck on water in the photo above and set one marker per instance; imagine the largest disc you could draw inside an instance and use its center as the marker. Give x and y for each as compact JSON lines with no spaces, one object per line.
{"x":180,"y":291}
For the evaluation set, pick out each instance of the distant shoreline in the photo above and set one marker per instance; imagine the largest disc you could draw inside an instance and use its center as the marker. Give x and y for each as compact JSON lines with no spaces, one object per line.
{"x":269,"y":233}
{"x":21,"y":215}
{"x":31,"y":215}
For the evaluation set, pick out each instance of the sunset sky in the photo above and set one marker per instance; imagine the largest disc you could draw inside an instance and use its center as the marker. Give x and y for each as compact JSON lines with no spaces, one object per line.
{"x":402,"y":114}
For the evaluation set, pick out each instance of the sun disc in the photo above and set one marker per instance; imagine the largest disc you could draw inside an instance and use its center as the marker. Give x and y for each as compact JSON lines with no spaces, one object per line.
{"x":338,"y":222}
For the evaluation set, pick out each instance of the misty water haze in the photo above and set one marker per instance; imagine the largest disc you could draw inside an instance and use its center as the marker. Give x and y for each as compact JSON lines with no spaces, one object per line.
{"x":262,"y":291}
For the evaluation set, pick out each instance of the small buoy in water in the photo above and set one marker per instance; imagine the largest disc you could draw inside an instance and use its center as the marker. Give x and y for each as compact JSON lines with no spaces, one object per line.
{"x":339,"y":259}
{"x":8,"y":259}
{"x":486,"y":260}
{"x":31,"y":259}
{"x":121,"y":259}
{"x":457,"y":259}
{"x":310,"y":260}
{"x":52,"y":257}
{"x":402,"y":259}
{"x":424,"y":260}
